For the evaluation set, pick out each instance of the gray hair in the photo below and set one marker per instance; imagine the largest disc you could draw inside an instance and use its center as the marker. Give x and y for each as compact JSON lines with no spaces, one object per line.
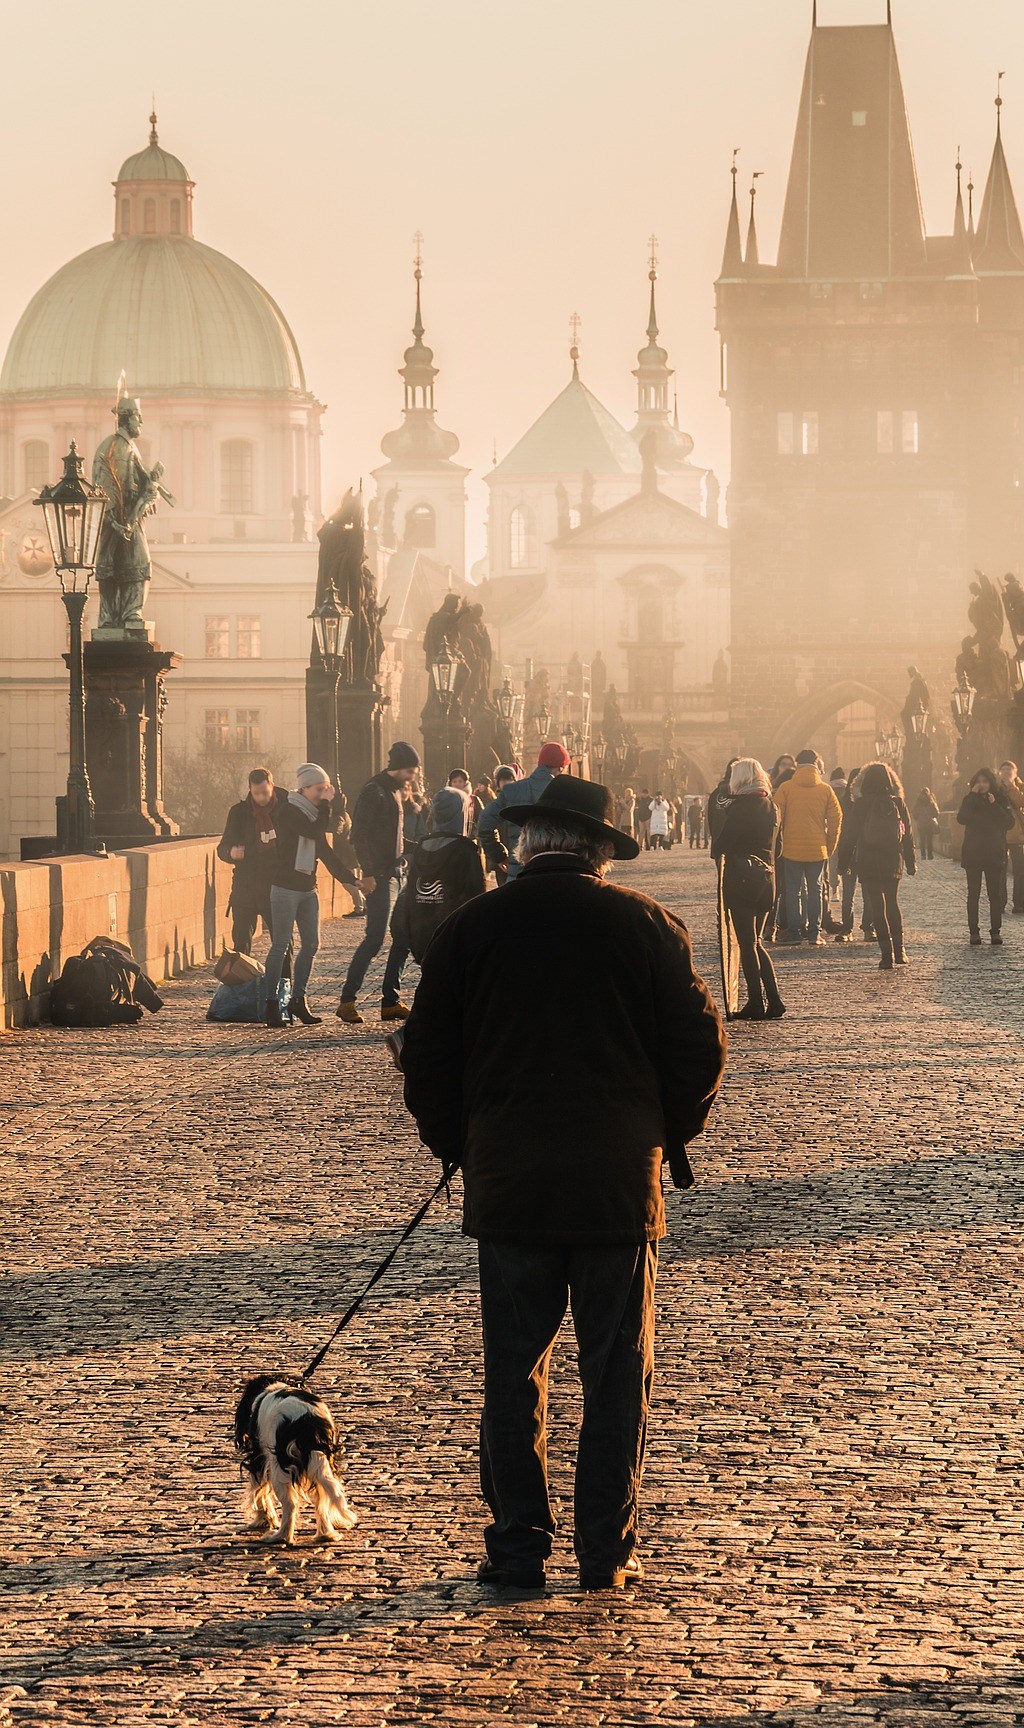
{"x":561,"y":834}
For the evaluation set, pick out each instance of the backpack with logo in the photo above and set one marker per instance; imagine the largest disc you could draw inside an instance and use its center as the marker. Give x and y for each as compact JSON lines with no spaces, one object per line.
{"x":880,"y":846}
{"x":440,"y":880}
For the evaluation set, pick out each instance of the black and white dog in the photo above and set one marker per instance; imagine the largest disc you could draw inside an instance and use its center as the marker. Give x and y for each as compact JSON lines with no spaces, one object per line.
{"x":288,"y":1444}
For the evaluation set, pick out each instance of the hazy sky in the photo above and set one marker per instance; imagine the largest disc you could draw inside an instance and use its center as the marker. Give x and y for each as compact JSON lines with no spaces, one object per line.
{"x":537,"y":144}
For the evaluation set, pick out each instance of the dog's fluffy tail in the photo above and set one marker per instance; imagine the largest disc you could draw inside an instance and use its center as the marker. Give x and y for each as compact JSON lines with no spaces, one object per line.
{"x":336,"y":1508}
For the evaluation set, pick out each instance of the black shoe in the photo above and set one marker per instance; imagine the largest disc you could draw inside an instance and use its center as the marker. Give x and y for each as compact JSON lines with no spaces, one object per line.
{"x":775,"y":1010}
{"x":300,"y":1011}
{"x":996,"y":939}
{"x":272,"y":1015}
{"x":750,"y":1011}
{"x":619,"y":1578}
{"x":975,"y":938}
{"x":903,"y":959}
{"x":511,"y":1577}
{"x":885,"y":964}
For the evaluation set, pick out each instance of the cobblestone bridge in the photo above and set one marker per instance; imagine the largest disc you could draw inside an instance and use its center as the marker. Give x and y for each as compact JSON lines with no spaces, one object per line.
{"x":833,"y":1506}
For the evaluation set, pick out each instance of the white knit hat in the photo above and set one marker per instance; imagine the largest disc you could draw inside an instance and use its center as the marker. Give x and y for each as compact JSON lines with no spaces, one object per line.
{"x":311,"y":774}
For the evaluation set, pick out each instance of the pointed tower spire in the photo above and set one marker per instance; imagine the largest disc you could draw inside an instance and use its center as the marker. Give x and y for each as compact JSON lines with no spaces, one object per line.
{"x":575,"y":326}
{"x":970,"y":204}
{"x":419,"y":438}
{"x":732,"y":259}
{"x":752,"y":259}
{"x":653,"y":376}
{"x":999,"y":249}
{"x":153,"y":139}
{"x":960,"y":259}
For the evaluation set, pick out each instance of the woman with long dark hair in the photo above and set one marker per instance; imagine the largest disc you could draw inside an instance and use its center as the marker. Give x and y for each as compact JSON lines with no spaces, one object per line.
{"x":746,"y":840}
{"x":986,"y":819}
{"x":877,"y":841}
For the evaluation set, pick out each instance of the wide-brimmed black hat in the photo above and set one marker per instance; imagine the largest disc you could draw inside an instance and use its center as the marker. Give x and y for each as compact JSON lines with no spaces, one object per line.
{"x":582,"y":801}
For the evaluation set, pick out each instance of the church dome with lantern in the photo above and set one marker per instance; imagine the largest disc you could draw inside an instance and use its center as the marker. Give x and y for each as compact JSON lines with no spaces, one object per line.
{"x":192,"y":332}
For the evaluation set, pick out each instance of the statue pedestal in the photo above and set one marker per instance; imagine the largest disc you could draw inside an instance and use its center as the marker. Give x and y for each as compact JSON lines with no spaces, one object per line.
{"x":445,"y":742}
{"x":124,"y":705}
{"x":344,"y":730}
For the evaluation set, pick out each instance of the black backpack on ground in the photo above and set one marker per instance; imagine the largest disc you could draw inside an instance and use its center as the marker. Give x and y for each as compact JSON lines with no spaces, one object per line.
{"x":102,"y":986}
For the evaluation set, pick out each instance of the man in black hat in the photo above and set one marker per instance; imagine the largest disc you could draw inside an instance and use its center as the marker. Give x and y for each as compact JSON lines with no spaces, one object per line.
{"x":378,"y":839}
{"x":561,"y":1049}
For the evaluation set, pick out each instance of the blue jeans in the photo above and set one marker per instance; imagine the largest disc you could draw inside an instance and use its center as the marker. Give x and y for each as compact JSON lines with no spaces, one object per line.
{"x":524,"y":1293}
{"x":288,"y":907}
{"x":378,"y":912}
{"x":803,"y":896}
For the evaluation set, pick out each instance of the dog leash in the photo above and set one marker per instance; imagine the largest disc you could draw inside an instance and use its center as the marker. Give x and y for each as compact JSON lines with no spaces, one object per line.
{"x":413,"y":1224}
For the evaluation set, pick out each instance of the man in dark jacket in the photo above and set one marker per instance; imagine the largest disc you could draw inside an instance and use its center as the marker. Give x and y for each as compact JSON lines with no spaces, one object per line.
{"x":498,"y":829}
{"x":561,"y":1049}
{"x":379,"y":842}
{"x":249,"y":843}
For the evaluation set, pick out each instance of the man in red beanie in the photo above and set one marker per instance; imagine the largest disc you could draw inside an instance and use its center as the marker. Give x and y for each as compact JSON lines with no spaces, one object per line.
{"x":497,"y":829}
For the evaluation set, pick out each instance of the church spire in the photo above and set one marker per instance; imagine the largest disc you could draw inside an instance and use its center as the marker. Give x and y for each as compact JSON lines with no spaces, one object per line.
{"x":575,"y":326}
{"x":653,"y":374}
{"x":732,"y":259}
{"x":1000,"y":242}
{"x":961,"y":251}
{"x":752,"y":260}
{"x":419,"y":439}
{"x":153,"y":139}
{"x":419,"y":370}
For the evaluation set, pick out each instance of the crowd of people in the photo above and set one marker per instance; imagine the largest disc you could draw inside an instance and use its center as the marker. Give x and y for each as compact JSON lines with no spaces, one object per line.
{"x":623,"y":1047}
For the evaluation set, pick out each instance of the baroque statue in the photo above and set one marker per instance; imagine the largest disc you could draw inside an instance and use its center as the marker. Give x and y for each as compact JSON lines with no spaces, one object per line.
{"x":343,"y":575}
{"x":123,"y":567}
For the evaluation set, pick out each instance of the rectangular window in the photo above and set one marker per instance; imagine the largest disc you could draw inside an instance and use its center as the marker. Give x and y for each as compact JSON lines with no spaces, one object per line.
{"x":216,"y":731}
{"x":247,"y":728}
{"x":886,"y":441}
{"x":787,"y":436}
{"x":218,"y":639}
{"x":910,"y":432}
{"x":236,"y":477}
{"x":809,"y":433}
{"x":249,"y":639}
{"x":860,"y":117}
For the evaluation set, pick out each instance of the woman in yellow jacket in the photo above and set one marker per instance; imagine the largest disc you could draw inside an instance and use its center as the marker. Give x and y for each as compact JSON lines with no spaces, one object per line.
{"x":812,"y":820}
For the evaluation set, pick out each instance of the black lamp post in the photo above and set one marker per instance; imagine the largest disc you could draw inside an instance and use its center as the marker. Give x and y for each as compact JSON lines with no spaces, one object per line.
{"x":543,"y":723}
{"x":331,"y":626}
{"x":73,"y":514}
{"x":962,"y":705}
{"x":599,"y":754}
{"x":442,"y":672}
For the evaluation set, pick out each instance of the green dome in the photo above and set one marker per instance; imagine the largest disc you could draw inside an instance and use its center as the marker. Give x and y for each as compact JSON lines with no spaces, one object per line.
{"x":152,"y":164}
{"x":175,"y":314}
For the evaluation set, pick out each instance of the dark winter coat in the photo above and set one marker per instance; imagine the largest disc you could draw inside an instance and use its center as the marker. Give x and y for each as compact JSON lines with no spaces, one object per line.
{"x":293,"y":826}
{"x":748,"y":829}
{"x":255,"y":872}
{"x":854,"y":854}
{"x":561,"y":1046}
{"x":445,"y":871}
{"x":378,"y":826}
{"x":497,"y":829}
{"x":985,"y":827}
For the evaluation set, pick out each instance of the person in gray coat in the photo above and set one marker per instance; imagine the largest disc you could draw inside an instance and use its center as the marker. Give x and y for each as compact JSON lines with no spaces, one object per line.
{"x":497,"y":830}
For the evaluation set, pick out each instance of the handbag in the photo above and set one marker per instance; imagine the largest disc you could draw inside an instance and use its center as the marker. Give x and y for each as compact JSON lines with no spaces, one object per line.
{"x":749,"y":878}
{"x":236,"y":968}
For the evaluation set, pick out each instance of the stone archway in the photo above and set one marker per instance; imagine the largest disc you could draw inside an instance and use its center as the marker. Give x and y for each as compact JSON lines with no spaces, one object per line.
{"x":796,"y":732}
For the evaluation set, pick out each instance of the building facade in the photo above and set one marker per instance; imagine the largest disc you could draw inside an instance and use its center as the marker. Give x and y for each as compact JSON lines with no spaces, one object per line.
{"x":874,"y":380}
{"x":227,"y":410}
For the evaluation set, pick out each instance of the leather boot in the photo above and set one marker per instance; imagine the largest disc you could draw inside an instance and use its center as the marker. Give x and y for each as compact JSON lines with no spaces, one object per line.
{"x":301,"y":1011}
{"x":272,"y":1015}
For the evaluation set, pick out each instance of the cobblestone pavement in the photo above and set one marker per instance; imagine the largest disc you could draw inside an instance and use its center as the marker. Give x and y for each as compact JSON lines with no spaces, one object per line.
{"x":833,"y":1504}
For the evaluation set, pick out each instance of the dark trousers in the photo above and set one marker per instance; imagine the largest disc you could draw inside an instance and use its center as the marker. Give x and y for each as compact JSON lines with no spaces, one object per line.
{"x":758,"y":972}
{"x":245,"y":918}
{"x":378,"y":912}
{"x":994,"y":876}
{"x":882,"y":910}
{"x":524,"y":1293}
{"x":1017,"y":868}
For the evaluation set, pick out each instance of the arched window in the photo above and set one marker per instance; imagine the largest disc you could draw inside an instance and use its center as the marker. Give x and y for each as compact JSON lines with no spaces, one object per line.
{"x":126,"y":216}
{"x":519,"y":537}
{"x":650,"y":615}
{"x":236,"y":477}
{"x":35,"y":457}
{"x":149,"y":216}
{"x":420,"y":527}
{"x":175,"y":215}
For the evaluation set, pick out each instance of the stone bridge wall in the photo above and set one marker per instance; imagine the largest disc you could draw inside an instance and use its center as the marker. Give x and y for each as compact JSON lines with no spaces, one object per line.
{"x":168,"y":902}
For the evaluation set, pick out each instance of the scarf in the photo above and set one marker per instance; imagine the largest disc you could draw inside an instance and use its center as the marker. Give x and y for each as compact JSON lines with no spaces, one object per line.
{"x":305,"y":851}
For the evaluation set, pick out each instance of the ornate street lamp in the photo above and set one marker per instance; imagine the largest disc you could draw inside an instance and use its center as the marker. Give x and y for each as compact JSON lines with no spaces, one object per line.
{"x":331,"y":627}
{"x":599,"y":753}
{"x":442,"y":672}
{"x":919,"y":722}
{"x":542,"y":721}
{"x":505,"y":701}
{"x":962,"y":704}
{"x":73,"y":514}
